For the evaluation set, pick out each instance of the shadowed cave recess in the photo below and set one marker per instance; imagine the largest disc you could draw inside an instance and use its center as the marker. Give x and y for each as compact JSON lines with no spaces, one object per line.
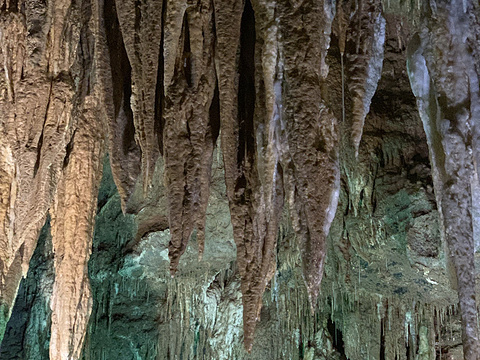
{"x":239,"y":179}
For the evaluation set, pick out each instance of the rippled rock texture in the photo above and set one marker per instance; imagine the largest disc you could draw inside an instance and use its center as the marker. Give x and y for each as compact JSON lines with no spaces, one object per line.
{"x":299,"y":177}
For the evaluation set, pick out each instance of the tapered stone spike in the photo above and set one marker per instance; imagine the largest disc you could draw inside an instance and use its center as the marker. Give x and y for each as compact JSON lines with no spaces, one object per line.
{"x":366,"y":38}
{"x":190,"y":130}
{"x":312,"y":174}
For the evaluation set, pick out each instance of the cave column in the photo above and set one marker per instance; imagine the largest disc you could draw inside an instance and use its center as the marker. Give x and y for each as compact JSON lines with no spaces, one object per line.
{"x":39,"y":42}
{"x":73,"y":215}
{"x":444,"y":79}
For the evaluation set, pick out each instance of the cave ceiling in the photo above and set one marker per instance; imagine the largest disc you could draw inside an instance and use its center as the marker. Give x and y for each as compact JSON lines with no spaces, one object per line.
{"x":315,"y":156}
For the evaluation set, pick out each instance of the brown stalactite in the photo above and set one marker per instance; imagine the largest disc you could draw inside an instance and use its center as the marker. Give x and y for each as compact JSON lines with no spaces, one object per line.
{"x":258,"y":197}
{"x":312,"y":176}
{"x":189,"y":135}
{"x":47,"y":67}
{"x":12,"y":40}
{"x":73,"y":213}
{"x":447,"y":94}
{"x":234,"y":20}
{"x":75,"y":204}
{"x":116,"y":73}
{"x":37,"y":127}
{"x":141,"y":25}
{"x":228,"y":15}
{"x":364,"y":52}
{"x":252,"y":173}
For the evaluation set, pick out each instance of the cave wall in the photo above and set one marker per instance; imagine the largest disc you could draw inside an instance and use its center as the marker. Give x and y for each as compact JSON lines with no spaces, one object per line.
{"x":279,"y":141}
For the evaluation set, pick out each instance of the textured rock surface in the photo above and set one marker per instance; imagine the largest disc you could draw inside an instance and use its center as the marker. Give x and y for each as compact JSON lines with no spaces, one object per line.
{"x":289,"y":196}
{"x":447,"y":92}
{"x":52,"y":150}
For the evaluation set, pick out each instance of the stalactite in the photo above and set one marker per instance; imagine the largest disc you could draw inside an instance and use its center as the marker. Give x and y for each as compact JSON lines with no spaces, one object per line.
{"x":191,"y":127}
{"x":73,"y":210}
{"x":115,"y":74}
{"x":448,"y":106}
{"x":12,"y":39}
{"x":141,"y":25}
{"x":364,"y":52}
{"x":261,"y":175}
{"x":310,"y":164}
{"x":167,"y":75}
{"x":46,"y":70}
{"x":251,"y":146}
{"x":37,"y":125}
{"x":235,"y":28}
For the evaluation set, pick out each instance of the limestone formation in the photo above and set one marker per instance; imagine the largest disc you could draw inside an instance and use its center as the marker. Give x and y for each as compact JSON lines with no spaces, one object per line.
{"x":280,"y":111}
{"x":447,"y":93}
{"x":364,"y":52}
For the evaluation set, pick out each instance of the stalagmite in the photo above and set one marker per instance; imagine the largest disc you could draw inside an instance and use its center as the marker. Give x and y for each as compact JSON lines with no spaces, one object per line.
{"x":311,"y":170}
{"x":447,"y":93}
{"x":364,"y":52}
